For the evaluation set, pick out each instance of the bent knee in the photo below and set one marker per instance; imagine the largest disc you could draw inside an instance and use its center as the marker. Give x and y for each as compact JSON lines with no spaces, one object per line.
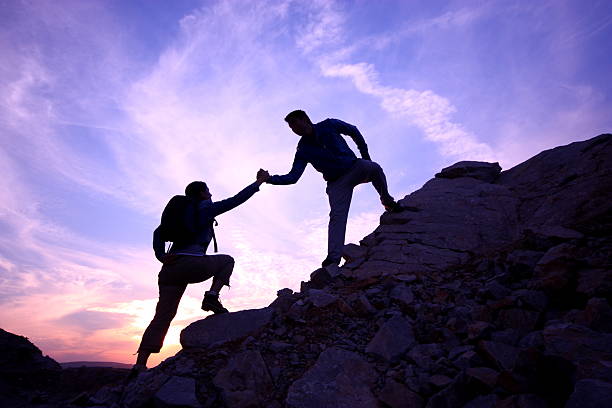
{"x":229,"y":260}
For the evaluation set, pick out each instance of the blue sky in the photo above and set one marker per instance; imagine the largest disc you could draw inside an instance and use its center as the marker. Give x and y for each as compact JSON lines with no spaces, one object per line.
{"x":109,"y":108}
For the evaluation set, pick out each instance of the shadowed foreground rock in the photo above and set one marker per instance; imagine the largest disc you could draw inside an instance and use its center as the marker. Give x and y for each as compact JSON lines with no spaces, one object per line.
{"x":492,"y":289}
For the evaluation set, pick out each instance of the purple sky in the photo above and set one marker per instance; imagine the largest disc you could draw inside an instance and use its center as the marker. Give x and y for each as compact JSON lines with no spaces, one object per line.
{"x":111,"y":107}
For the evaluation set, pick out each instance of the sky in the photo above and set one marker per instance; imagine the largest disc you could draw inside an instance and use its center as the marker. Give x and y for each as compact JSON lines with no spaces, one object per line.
{"x":109,"y":108}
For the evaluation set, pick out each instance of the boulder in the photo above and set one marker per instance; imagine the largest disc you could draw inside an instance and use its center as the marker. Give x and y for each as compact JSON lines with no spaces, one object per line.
{"x":567,"y":186}
{"x":177,"y":392}
{"x":224,"y":328}
{"x":397,"y":395}
{"x":485,"y":375}
{"x":338,"y":379}
{"x":503,"y":356}
{"x":591,"y":393}
{"x":402,"y":295}
{"x":393,"y":339}
{"x":584,"y":347}
{"x":484,"y":171}
{"x":595,"y":282}
{"x":23,"y":364}
{"x":519,"y":319}
{"x":483,"y":401}
{"x":462,"y":215}
{"x":320,"y":298}
{"x":352,"y":252}
{"x":245,"y":380}
{"x":320,"y":278}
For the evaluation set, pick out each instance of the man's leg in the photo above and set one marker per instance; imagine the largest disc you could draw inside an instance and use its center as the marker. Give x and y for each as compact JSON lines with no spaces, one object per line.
{"x":366,"y":171}
{"x":167,"y":305}
{"x":200,"y":268}
{"x":340,"y":193}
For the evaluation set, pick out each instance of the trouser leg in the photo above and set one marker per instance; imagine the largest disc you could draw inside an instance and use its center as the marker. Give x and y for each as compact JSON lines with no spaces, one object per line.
{"x":365,"y":171}
{"x":196,"y":269}
{"x":222,"y":267}
{"x":377,"y":176}
{"x":340,"y":195}
{"x":167,"y":305}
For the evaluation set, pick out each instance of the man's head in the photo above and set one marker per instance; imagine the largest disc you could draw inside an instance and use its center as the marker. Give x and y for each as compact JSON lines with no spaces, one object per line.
{"x":299,"y":122}
{"x":198,"y":190}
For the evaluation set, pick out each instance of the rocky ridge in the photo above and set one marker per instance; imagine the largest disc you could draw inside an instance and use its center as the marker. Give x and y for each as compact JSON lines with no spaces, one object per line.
{"x":492,"y":289}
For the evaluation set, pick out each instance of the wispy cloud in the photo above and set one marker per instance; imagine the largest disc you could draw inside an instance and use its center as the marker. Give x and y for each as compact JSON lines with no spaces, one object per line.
{"x":428,"y":111}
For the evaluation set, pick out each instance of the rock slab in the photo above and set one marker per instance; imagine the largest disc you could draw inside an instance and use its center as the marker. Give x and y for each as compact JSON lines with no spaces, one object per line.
{"x":339,"y":379}
{"x":224,"y":328}
{"x":177,"y":392}
{"x":394,"y":338}
{"x":245,"y":380}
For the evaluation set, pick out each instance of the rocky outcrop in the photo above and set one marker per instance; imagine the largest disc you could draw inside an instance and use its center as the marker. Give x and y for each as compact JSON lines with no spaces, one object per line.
{"x":30,"y":379}
{"x":217,"y":330}
{"x":492,"y":289}
{"x":25,"y":373}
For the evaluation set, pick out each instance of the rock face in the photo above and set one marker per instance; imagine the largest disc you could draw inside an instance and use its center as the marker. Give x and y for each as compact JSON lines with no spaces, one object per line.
{"x":23,"y":369}
{"x":22,"y":361}
{"x":492,"y":289}
{"x":339,"y":379}
{"x":217,"y":330}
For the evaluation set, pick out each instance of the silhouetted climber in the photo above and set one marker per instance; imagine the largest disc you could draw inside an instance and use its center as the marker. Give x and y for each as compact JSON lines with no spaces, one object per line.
{"x":187,"y":222}
{"x":323,"y":146}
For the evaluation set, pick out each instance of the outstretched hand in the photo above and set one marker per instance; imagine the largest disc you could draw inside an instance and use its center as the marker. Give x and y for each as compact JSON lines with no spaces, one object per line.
{"x":262,"y":176}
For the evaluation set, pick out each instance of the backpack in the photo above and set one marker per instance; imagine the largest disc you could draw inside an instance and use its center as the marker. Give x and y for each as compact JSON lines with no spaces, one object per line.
{"x":179,"y":220}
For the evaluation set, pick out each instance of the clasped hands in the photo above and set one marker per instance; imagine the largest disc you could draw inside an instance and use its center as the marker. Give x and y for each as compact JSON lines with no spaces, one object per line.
{"x":262,"y":176}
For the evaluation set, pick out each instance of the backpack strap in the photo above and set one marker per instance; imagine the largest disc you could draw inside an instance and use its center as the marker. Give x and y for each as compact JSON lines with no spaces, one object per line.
{"x":213,"y":235}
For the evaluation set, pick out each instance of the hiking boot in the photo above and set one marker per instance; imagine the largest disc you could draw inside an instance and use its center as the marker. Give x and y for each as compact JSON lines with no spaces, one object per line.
{"x":211,"y":303}
{"x":135,"y":371}
{"x":328,"y":261}
{"x":392,"y":206}
{"x":332,"y":267}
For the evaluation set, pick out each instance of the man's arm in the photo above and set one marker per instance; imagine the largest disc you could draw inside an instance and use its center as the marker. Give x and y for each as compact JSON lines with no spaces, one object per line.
{"x":297,"y":169}
{"x":219,"y":207}
{"x":353,"y":132}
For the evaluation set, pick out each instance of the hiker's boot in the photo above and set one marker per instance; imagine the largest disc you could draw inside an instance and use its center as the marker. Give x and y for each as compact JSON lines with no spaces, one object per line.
{"x":211,"y":303}
{"x":328,"y":261}
{"x":331,"y":266}
{"x":135,"y":371}
{"x":391,"y":205}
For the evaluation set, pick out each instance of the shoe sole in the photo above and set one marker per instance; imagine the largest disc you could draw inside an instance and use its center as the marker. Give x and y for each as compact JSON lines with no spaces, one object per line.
{"x":214,"y":310}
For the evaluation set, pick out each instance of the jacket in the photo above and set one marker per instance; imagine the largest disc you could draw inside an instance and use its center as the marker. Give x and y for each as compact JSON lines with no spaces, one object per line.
{"x":327,"y":151}
{"x":207,"y":211}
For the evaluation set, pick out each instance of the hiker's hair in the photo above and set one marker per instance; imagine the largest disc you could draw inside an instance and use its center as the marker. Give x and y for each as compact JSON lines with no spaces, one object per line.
{"x":297,"y":114}
{"x":194,"y":189}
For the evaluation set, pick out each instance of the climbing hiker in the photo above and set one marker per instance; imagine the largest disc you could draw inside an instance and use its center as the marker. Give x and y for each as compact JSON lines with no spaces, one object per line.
{"x":323,"y":146}
{"x":187,"y":222}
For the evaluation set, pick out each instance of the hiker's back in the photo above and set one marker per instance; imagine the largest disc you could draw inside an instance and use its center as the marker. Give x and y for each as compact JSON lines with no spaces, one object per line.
{"x":179,"y":221}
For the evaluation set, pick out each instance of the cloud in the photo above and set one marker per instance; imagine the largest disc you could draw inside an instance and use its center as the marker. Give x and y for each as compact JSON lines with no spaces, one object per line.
{"x":90,"y":321}
{"x":428,"y":111}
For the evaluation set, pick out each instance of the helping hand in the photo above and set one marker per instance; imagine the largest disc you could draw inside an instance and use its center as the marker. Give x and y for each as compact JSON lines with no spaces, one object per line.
{"x":262,"y":176}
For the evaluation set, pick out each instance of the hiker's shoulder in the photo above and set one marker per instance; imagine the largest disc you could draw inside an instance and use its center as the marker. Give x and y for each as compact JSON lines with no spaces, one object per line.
{"x":328,"y":122}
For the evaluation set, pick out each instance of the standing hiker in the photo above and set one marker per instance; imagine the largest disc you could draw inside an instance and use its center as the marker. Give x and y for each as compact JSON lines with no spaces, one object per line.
{"x":187,"y":222}
{"x":323,"y":146}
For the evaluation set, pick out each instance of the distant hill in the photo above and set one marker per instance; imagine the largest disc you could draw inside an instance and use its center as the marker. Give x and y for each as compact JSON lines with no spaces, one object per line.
{"x":111,"y":364}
